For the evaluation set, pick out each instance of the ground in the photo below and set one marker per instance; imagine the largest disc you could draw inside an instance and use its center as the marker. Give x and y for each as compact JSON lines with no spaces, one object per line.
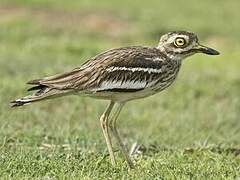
{"x":191,"y":130}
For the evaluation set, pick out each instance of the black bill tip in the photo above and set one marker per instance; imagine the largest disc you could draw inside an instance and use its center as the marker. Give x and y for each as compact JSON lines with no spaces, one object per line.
{"x":210,"y":51}
{"x":206,"y":50}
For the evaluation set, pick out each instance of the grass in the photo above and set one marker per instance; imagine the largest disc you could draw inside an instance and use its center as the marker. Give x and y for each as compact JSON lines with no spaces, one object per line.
{"x":189,"y":131}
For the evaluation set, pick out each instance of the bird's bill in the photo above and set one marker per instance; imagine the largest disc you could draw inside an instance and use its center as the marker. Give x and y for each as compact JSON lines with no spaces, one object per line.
{"x":206,"y":50}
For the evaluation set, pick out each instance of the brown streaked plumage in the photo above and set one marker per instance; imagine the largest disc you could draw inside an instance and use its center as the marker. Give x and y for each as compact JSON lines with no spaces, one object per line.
{"x":120,"y":75}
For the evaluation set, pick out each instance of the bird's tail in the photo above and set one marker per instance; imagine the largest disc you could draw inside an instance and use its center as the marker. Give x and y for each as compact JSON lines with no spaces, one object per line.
{"x":43,"y":92}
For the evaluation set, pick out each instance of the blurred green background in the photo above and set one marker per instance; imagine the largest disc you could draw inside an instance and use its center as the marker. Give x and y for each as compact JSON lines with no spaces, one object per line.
{"x":194,"y":124}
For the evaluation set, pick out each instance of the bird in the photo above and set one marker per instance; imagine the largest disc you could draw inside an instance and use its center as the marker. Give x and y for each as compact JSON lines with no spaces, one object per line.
{"x":120,"y":75}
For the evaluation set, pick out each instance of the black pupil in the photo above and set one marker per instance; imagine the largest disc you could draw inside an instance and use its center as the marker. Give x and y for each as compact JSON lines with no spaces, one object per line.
{"x":180,"y":41}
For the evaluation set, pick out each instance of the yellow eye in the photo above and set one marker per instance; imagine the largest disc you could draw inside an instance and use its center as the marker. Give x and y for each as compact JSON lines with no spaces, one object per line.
{"x":180,"y":42}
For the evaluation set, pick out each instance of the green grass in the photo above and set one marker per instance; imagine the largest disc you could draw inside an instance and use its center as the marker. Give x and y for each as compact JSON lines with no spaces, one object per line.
{"x":194,"y":125}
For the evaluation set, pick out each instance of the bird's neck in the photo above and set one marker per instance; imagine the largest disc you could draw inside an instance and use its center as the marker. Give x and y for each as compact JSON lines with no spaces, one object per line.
{"x":170,"y":54}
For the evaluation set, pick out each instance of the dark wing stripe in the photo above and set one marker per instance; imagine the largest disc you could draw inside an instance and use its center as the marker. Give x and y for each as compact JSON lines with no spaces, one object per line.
{"x":120,"y":90}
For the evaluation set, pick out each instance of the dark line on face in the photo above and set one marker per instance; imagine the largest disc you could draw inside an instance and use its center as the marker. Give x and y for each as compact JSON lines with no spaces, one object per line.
{"x":188,"y":52}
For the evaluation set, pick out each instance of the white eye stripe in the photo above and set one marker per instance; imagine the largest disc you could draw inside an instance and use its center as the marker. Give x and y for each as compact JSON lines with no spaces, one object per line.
{"x":173,"y":38}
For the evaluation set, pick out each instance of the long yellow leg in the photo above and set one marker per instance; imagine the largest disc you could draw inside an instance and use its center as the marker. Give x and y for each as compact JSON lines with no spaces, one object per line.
{"x":113,"y":127}
{"x":105,"y":128}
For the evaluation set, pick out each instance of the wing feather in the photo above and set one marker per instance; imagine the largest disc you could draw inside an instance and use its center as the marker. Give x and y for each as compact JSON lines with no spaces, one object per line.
{"x":97,"y":71}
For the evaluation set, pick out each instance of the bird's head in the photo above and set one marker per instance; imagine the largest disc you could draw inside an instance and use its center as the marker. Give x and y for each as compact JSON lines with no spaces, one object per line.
{"x":181,"y":44}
